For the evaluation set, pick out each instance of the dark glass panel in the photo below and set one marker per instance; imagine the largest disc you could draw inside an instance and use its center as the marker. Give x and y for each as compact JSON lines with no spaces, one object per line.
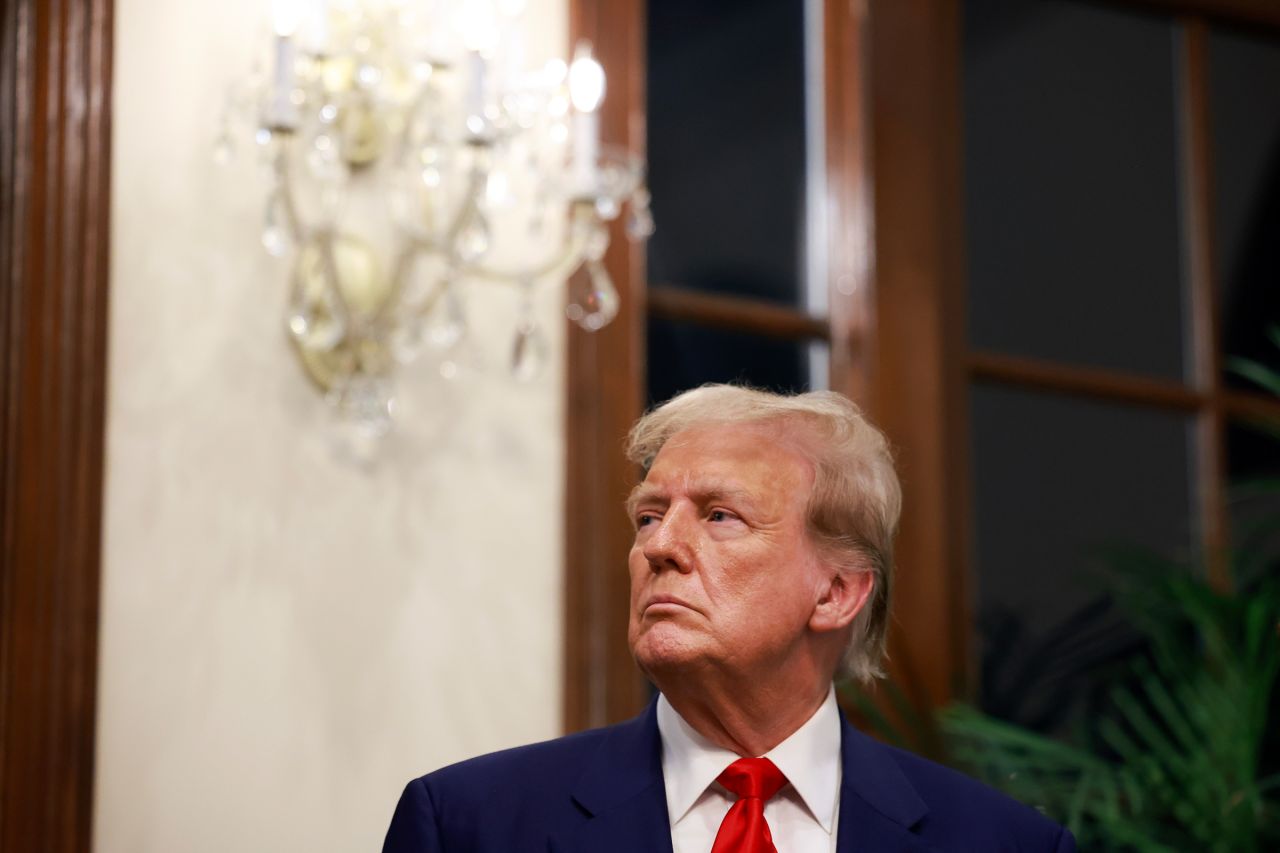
{"x":1244,"y":78}
{"x":686,"y":355}
{"x":1253,"y":472}
{"x":1057,"y":482}
{"x":1071,"y":185}
{"x":726,"y":146}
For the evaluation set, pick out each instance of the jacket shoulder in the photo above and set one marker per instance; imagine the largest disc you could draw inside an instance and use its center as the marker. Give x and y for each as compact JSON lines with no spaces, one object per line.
{"x":560,"y":758}
{"x":508,"y":801}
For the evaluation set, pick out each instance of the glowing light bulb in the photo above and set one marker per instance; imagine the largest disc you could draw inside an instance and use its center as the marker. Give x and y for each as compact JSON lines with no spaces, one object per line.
{"x":586,"y":82}
{"x":475,"y":22}
{"x":285,"y":15}
{"x":586,"y":91}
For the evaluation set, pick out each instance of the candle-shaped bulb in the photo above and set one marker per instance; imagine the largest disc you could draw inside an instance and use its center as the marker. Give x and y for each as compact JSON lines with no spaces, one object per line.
{"x":586,"y":82}
{"x":285,"y":15}
{"x":476,"y":24}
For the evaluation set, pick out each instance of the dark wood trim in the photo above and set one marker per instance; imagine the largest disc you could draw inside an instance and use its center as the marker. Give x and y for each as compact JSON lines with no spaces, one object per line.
{"x":1251,"y":406}
{"x":55,"y":83}
{"x":605,"y":396}
{"x":1246,"y":13}
{"x":914,"y":339}
{"x":735,"y":312}
{"x":1086,"y":381}
{"x":1196,"y":187}
{"x":850,"y":231}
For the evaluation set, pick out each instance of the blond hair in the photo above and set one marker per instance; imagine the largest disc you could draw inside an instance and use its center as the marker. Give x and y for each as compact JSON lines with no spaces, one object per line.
{"x":856,"y":499}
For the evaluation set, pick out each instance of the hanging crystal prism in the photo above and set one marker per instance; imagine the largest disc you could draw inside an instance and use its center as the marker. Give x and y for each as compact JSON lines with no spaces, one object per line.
{"x":275,"y":237}
{"x":314,"y":318}
{"x":597,"y":243}
{"x":364,"y":407}
{"x":408,"y":339}
{"x":529,"y":349}
{"x":640,"y":219}
{"x":473,"y":239}
{"x":449,"y":323}
{"x":593,"y":300}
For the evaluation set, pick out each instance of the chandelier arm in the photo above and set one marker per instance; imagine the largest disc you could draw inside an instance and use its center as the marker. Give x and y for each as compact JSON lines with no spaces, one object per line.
{"x":284,"y":186}
{"x":468,"y":208}
{"x":563,"y":264}
{"x":328,"y":263}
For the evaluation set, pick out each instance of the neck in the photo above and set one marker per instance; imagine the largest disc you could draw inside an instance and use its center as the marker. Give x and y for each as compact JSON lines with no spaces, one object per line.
{"x":750,"y":720}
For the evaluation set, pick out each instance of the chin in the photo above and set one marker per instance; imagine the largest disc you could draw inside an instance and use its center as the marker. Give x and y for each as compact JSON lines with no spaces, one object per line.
{"x":665,"y":647}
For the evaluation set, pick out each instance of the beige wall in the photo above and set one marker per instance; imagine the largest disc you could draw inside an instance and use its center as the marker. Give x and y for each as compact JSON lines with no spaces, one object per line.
{"x":286,"y":638}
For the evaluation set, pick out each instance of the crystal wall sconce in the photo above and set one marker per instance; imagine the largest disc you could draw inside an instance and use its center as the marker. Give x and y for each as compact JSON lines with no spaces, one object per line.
{"x":413,"y":158}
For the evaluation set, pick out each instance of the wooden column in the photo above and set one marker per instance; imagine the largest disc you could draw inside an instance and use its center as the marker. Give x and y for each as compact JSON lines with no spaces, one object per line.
{"x":605,"y":396}
{"x":55,"y":73}
{"x":909,"y":315}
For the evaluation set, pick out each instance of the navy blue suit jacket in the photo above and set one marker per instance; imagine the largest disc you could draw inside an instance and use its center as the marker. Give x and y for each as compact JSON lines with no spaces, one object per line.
{"x":602,"y":792}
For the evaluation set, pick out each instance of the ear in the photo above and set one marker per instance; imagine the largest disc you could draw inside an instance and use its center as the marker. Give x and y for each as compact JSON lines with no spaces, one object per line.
{"x":841,"y":599}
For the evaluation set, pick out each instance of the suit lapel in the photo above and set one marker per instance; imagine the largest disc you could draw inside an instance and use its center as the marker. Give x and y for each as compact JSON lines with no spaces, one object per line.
{"x":878,"y":805}
{"x":622,"y":795}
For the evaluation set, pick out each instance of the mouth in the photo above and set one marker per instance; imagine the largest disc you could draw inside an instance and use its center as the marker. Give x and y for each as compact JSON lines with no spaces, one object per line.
{"x":667,"y":602}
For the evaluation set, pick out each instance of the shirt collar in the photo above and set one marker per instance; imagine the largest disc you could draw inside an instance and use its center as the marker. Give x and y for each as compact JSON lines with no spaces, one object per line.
{"x":809,"y":758}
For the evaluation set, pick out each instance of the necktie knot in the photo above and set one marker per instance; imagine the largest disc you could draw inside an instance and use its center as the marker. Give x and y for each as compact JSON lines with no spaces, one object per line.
{"x":752,"y":778}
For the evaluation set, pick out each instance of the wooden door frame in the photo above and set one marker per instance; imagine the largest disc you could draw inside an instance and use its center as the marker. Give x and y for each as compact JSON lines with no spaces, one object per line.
{"x":896,"y":328}
{"x":55,"y":92}
{"x":879,"y":279}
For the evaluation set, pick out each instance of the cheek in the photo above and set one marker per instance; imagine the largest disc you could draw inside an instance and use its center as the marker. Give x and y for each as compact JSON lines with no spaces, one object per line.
{"x":638,"y":569}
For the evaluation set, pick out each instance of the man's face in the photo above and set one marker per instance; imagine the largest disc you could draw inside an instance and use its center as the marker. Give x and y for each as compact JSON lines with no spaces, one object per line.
{"x":723,"y":574}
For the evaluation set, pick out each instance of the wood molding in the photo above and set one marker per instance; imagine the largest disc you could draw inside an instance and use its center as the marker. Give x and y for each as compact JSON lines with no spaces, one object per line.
{"x":1246,"y":13}
{"x":849,"y":216}
{"x":1196,"y":187}
{"x":55,"y":83}
{"x":605,"y":397}
{"x":738,"y":313}
{"x":1086,"y":381}
{"x":914,"y":336}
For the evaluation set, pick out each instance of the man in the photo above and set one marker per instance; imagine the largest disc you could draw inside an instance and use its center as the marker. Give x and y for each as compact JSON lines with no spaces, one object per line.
{"x":761,"y":569}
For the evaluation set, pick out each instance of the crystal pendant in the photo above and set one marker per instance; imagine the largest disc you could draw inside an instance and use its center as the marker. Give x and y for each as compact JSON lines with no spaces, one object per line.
{"x":473,"y":239}
{"x":449,"y":325}
{"x":640,"y":220}
{"x":529,"y":349}
{"x":408,"y":340}
{"x":528,"y":352}
{"x":363,"y":407}
{"x":367,"y":401}
{"x":316,"y":326}
{"x":274,"y":237}
{"x":593,"y":300}
{"x":597,"y":243}
{"x":607,"y":207}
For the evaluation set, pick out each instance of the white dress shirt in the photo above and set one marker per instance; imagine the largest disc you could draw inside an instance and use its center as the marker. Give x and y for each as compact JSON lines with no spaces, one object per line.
{"x":802,"y":817}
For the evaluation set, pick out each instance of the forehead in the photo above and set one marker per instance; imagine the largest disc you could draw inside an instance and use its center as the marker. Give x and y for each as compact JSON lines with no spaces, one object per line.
{"x":762,"y":455}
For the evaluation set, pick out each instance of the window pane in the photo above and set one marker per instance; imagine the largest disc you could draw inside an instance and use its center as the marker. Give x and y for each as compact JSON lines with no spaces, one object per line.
{"x":726,"y":129}
{"x":1071,"y":185}
{"x":1253,"y":471}
{"x":1056,"y":480}
{"x":1244,"y":91}
{"x":686,"y":355}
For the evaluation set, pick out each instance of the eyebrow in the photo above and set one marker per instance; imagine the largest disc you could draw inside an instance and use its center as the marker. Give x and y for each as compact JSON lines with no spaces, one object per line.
{"x":703,"y":493}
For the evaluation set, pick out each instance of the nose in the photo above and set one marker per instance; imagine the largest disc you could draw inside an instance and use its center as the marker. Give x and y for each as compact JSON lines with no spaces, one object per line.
{"x":670,"y":544}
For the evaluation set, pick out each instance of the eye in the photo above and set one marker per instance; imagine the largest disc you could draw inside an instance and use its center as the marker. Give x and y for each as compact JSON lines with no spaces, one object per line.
{"x":644,"y":519}
{"x":720,"y":515}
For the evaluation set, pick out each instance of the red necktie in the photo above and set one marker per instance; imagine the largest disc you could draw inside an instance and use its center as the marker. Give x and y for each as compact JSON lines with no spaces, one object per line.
{"x":754,"y":781}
